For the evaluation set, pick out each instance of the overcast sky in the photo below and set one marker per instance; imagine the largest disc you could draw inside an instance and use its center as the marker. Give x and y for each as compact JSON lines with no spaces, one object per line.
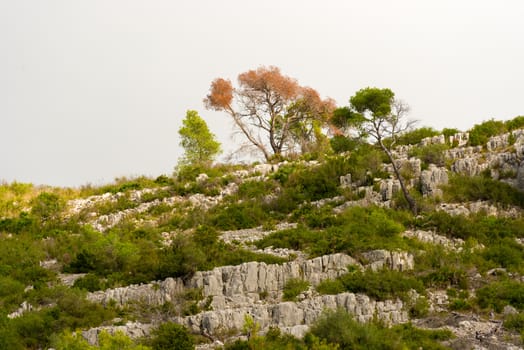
{"x":95,"y":89}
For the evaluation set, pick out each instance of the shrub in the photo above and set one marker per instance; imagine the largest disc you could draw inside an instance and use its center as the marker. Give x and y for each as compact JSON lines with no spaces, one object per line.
{"x":357,"y":229}
{"x":414,"y":137}
{"x":172,"y":336}
{"x":338,"y":327}
{"x":506,"y":253}
{"x":430,"y":154}
{"x":480,"y":133}
{"x":293,"y":288}
{"x":46,"y":208}
{"x":514,"y":322}
{"x":475,"y":188}
{"x":332,"y":287}
{"x":515,"y":123}
{"x":89,"y":282}
{"x":447,"y":132}
{"x":236,"y":216}
{"x":381,"y":285}
{"x":498,"y":294}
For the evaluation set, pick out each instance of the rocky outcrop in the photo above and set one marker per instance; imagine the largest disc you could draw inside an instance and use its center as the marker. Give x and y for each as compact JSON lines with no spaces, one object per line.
{"x":460,"y":139}
{"x":244,"y":284}
{"x":133,"y":330}
{"x":155,"y":293}
{"x":468,"y":166}
{"x":24,"y":307}
{"x":434,"y":238}
{"x":463,"y":152}
{"x":431,"y":179}
{"x":247,"y":236}
{"x":434,"y":140}
{"x":478,"y":207}
{"x":292,"y":317}
{"x":255,"y":289}
{"x":226,"y":283}
{"x":379,"y":259}
{"x":265,"y":169}
{"x":388,"y":188}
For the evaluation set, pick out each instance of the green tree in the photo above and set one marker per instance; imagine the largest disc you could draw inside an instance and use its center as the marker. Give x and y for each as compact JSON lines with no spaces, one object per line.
{"x":382,"y":117}
{"x":199,"y":143}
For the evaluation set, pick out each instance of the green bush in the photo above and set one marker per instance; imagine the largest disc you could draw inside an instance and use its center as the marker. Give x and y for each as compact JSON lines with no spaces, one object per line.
{"x":89,"y":282}
{"x":475,"y":188}
{"x":357,"y":229}
{"x":235,"y":216}
{"x":515,"y":123}
{"x":47,"y":206}
{"x":506,"y":253}
{"x":514,"y":322}
{"x":64,"y":308}
{"x":480,"y":133}
{"x":498,"y":294}
{"x":332,"y":287}
{"x":172,"y":336}
{"x":447,"y":132}
{"x":414,"y":137}
{"x":485,"y":229}
{"x":293,"y":288}
{"x":338,"y":327}
{"x":380,"y":285}
{"x":430,"y":154}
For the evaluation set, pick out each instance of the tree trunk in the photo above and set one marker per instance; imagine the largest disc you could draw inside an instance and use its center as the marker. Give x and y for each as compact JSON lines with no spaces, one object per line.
{"x":411,"y":201}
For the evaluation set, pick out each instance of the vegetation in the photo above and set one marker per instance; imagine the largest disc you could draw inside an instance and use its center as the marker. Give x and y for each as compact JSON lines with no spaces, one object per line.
{"x":356,"y":230}
{"x":380,"y":285}
{"x":198,"y":142}
{"x":138,"y":230}
{"x":380,"y":116}
{"x":293,"y":288}
{"x":475,"y":188}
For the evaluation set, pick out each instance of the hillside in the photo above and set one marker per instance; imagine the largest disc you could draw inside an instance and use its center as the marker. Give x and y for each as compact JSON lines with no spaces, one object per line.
{"x":300,"y":254}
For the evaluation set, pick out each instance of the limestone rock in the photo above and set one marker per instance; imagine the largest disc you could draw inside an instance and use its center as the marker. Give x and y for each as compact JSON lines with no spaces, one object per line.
{"x":24,"y":307}
{"x":345,"y":181}
{"x":201,"y":178}
{"x":460,"y":139}
{"x":434,"y":238}
{"x":265,"y":169}
{"x":431,"y":179}
{"x":379,"y":259}
{"x":294,"y":317}
{"x":433,"y":140}
{"x":388,"y":188}
{"x":133,"y":330}
{"x":467,"y":166}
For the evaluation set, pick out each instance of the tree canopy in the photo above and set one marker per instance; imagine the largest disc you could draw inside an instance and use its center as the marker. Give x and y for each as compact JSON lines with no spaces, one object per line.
{"x":377,"y":114}
{"x":198,"y":142}
{"x":273,"y":112}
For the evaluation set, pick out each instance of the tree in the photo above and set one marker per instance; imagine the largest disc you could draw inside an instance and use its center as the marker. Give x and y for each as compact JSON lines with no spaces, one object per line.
{"x":198,"y":142}
{"x":382,"y":117}
{"x":271,"y":110}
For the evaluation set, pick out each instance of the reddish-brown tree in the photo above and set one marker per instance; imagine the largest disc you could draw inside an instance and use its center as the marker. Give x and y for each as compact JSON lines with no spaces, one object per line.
{"x":272,"y":110}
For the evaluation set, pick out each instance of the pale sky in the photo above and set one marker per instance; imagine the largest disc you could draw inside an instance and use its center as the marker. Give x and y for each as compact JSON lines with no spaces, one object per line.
{"x":95,"y":89}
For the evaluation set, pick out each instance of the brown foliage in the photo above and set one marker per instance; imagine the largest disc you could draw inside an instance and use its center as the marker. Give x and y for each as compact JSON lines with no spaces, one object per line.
{"x":271,"y":109}
{"x":220,"y":96}
{"x":269,"y":80}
